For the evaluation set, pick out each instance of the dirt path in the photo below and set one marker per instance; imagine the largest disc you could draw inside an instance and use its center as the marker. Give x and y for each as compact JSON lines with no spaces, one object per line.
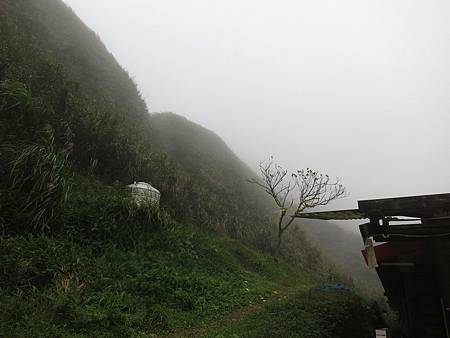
{"x":238,"y":314}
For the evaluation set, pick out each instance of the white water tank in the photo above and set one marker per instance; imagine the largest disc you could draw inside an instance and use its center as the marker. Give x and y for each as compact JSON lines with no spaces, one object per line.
{"x":144,"y":193}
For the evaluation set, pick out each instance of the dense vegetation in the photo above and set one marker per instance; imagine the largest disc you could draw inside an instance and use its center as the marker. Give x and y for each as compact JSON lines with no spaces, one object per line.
{"x":117,"y":269}
{"x":77,"y":256}
{"x":71,"y":89}
{"x":173,"y":279}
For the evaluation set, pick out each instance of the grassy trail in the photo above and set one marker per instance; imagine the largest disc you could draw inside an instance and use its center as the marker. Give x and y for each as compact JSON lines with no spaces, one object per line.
{"x":298,"y":312}
{"x":240,"y":314}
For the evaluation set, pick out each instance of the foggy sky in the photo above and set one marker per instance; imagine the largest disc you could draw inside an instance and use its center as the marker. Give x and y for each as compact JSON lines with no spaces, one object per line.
{"x":358,"y":89}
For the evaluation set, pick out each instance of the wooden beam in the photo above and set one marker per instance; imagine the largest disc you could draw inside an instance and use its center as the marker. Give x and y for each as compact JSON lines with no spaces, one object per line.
{"x":423,"y":206}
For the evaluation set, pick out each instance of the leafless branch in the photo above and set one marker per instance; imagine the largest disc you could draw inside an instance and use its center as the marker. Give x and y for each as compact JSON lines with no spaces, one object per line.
{"x":309,"y":187}
{"x":276,"y":183}
{"x":316,"y":189}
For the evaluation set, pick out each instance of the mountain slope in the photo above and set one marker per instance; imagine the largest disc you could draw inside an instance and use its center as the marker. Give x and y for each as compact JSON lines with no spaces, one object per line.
{"x":194,"y":147}
{"x":78,"y":256}
{"x":206,"y":158}
{"x":53,"y":32}
{"x":83,"y":101}
{"x":343,"y":248}
{"x":92,"y":107}
{"x":98,"y":287}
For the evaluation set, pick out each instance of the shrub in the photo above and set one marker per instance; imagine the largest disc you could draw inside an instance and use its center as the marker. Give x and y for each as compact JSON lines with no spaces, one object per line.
{"x":96,"y":214}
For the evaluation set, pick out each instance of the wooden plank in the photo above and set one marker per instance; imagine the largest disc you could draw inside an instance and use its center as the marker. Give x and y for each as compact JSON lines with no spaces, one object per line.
{"x":423,"y":206}
{"x":398,"y":264}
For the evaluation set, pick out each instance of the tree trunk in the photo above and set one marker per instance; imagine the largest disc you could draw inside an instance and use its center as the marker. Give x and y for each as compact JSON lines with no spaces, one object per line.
{"x":280,"y":232}
{"x":279,"y":242}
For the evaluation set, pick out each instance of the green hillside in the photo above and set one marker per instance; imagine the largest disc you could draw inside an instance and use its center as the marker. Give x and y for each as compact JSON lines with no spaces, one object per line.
{"x":207,"y":159}
{"x":78,"y":258}
{"x":167,"y":281}
{"x":195,"y":147}
{"x":91,"y":104}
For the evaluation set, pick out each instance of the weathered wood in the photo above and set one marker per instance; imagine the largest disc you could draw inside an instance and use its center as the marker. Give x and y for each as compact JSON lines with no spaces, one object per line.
{"x":414,"y":264}
{"x":422,"y":206}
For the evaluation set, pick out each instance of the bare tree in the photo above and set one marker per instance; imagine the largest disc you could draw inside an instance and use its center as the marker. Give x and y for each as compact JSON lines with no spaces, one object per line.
{"x":295,"y":192}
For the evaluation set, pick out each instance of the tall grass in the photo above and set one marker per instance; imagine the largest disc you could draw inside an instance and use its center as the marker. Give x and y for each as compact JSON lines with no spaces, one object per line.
{"x":96,"y":214}
{"x":34,"y":187}
{"x":34,"y":167}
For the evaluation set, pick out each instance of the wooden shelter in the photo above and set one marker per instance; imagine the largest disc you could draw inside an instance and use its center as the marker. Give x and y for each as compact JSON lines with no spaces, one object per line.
{"x":411,"y":255}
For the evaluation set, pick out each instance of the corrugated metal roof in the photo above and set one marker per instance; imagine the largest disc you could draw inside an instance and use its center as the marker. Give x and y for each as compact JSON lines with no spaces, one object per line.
{"x":334,"y":215}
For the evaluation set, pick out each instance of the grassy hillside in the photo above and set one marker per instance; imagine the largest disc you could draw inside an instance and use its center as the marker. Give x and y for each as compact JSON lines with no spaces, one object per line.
{"x":115,"y":269}
{"x":53,"y":288}
{"x":74,"y":94}
{"x":206,"y":158}
{"x":312,"y":313}
{"x":54,"y":34}
{"x":202,"y":153}
{"x":77,"y":256}
{"x":175,"y":279}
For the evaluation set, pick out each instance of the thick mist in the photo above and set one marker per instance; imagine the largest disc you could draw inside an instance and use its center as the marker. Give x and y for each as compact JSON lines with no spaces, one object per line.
{"x":358,"y":89}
